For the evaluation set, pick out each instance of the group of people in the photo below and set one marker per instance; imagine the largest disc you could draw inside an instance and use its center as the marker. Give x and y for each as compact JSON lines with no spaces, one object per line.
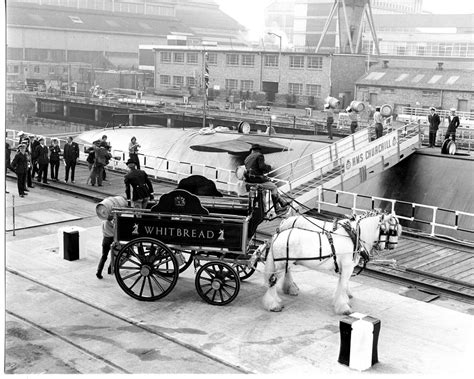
{"x":99,"y":155}
{"x":33,"y":158}
{"x":434,"y":121}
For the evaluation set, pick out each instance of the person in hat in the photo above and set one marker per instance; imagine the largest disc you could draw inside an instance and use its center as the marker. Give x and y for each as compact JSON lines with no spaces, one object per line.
{"x":108,"y":146}
{"x":256,"y":170}
{"x":41,"y":155}
{"x":102,"y":157}
{"x":378,"y":119}
{"x":133,"y":147}
{"x":34,"y":142}
{"x":453,"y":124}
{"x":353,"y":118}
{"x":54,"y":158}
{"x":71,"y":154}
{"x":329,"y":119}
{"x":140,"y":183}
{"x":20,"y":166}
{"x":433,"y":121}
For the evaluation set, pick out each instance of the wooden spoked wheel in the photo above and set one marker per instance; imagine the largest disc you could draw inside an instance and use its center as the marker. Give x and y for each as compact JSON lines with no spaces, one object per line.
{"x":146,"y":269}
{"x":217,"y":283}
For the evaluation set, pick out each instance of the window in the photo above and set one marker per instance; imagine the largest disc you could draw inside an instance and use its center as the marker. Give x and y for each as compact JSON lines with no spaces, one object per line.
{"x":231,"y":84}
{"x":401,"y":77}
{"x":295,"y":88}
{"x":315,"y":62}
{"x":76,"y":20}
{"x":430,"y":93}
{"x":452,"y":79}
{"x":296,"y":61}
{"x":232,"y":59}
{"x":178,"y":57}
{"x":190,"y":81}
{"x":51,"y":69}
{"x":417,"y":78}
{"x":212,"y":58}
{"x":270,"y":60}
{"x":313,"y":90}
{"x":421,"y":50}
{"x":165,"y":80}
{"x":401,"y":50}
{"x":434,"y":79}
{"x":178,"y":81}
{"x":248,"y":60}
{"x":36,"y":69}
{"x":192,"y":58}
{"x":165,"y":57}
{"x":246,"y":85}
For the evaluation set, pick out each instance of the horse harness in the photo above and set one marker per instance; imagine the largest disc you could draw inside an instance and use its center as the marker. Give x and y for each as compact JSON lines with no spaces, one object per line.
{"x":347,"y":227}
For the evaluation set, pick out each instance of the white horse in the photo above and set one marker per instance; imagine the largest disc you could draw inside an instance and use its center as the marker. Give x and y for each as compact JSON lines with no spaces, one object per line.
{"x":303,"y":242}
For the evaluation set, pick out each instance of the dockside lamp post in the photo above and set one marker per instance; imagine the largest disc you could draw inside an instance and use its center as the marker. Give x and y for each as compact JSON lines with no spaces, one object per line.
{"x":279,"y":55}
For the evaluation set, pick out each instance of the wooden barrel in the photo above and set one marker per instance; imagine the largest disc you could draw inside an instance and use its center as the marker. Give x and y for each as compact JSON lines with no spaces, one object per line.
{"x":386,"y":110}
{"x":104,"y":208}
{"x":357,"y":106}
{"x":332,"y":102}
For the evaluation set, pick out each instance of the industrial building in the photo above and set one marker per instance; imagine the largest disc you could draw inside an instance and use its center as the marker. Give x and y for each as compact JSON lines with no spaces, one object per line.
{"x":63,"y":40}
{"x":284,"y":78}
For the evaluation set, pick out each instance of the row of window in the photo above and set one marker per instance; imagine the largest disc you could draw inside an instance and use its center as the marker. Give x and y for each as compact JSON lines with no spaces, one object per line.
{"x":15,"y":69}
{"x":311,"y":89}
{"x":245,"y":85}
{"x":269,"y":60}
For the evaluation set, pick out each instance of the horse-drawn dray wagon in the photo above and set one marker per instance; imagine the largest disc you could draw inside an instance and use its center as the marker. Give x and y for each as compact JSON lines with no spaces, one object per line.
{"x":216,"y":234}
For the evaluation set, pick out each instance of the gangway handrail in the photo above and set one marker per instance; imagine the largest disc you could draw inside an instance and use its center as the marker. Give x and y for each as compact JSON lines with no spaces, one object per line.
{"x":434,"y":221}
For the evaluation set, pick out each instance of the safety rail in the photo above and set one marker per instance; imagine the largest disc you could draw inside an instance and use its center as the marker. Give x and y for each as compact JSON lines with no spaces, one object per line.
{"x":156,"y":166}
{"x":371,"y":156}
{"x":424,"y":112}
{"x":298,"y":170}
{"x":459,"y":224}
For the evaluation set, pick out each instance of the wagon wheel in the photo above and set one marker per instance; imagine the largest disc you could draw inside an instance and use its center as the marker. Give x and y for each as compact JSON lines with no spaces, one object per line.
{"x":217,"y":283}
{"x":146,"y":269}
{"x":244,"y":271}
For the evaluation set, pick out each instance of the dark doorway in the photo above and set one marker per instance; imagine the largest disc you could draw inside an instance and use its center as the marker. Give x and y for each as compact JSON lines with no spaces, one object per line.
{"x":270,"y":88}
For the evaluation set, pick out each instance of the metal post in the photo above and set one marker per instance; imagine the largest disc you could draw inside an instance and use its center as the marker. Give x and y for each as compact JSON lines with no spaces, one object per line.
{"x":204,"y":89}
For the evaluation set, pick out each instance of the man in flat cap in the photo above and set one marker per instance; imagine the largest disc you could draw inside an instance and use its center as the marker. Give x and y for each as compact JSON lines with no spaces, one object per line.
{"x":140,"y":183}
{"x":256,"y":170}
{"x":20,"y":167}
{"x":434,"y":121}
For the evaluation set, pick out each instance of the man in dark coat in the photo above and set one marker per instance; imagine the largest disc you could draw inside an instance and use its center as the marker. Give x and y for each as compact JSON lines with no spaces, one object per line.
{"x":20,"y":166}
{"x":453,"y":120}
{"x":256,"y":170}
{"x":34,"y":163}
{"x":102,"y":157}
{"x":141,"y":184}
{"x":434,"y":121}
{"x":42,"y":157}
{"x":71,"y":154}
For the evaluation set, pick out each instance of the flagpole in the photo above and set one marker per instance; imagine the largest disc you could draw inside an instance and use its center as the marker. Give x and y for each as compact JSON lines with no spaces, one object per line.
{"x":204,"y":88}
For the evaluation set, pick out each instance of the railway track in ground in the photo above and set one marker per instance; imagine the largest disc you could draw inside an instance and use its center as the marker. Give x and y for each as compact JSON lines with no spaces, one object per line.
{"x":422,"y":280}
{"x":82,"y":334}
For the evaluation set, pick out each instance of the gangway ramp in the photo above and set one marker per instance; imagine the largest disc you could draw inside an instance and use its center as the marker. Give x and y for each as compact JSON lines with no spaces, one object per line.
{"x":346,"y":163}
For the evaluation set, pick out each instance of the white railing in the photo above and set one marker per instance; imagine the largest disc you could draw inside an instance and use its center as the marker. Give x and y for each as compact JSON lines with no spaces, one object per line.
{"x":300,"y":170}
{"x":460,"y":223}
{"x":156,"y":166}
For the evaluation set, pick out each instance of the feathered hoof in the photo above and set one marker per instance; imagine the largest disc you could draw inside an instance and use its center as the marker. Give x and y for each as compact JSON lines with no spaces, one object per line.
{"x":276,"y":308}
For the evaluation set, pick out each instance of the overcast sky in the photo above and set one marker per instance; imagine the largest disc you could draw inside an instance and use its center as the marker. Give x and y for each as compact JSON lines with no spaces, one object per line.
{"x":250,"y":12}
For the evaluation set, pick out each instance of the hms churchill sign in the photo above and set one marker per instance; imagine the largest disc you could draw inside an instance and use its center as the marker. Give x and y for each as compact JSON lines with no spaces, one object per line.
{"x":181,"y":231}
{"x":375,"y":149}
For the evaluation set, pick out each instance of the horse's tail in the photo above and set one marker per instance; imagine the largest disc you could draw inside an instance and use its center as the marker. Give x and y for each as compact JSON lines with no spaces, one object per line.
{"x":269,"y":267}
